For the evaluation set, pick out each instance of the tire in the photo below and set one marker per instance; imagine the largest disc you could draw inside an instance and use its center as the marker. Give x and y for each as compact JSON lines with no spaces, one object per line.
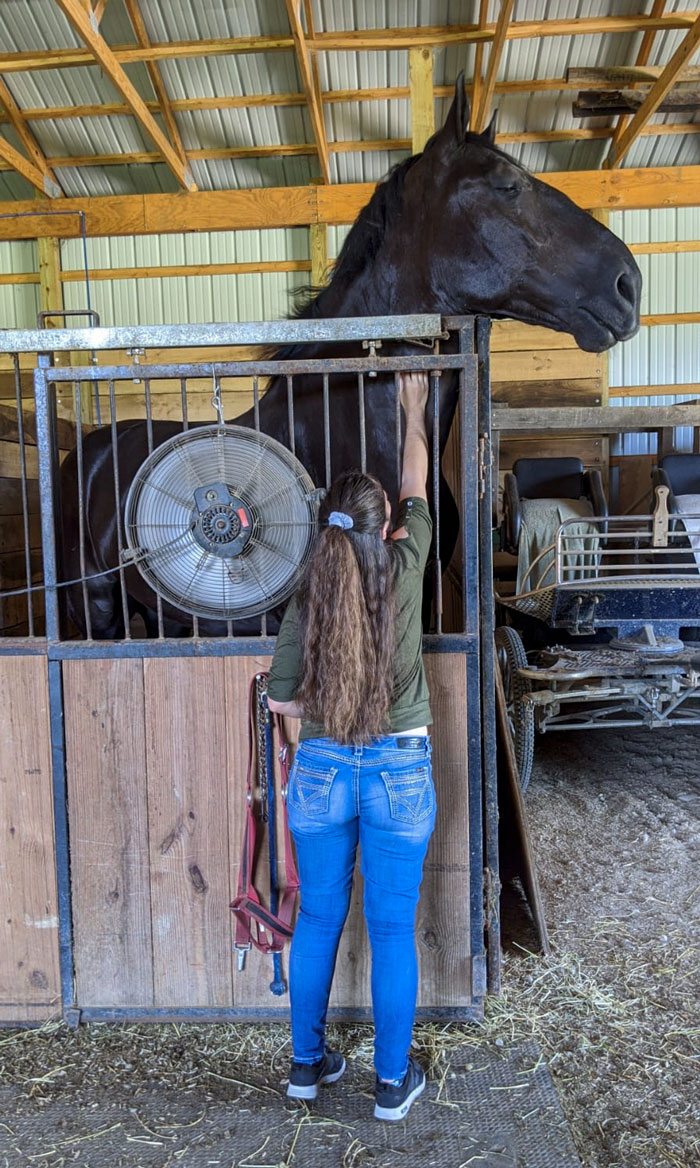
{"x":510,"y":654}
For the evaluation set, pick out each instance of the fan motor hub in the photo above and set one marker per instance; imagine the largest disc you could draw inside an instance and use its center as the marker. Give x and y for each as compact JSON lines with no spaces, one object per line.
{"x":223,"y":523}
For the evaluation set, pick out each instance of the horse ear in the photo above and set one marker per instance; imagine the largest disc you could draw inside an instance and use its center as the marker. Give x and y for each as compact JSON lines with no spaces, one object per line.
{"x":490,"y":132}
{"x":457,"y":120}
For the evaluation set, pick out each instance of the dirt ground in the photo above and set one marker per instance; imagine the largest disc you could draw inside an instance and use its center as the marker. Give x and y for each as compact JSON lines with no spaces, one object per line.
{"x":615,"y":821}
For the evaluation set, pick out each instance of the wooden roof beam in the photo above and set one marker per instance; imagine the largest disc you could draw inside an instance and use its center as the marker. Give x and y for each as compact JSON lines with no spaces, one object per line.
{"x":642,"y":58}
{"x":477,"y":80}
{"x":164,"y":103}
{"x":102,"y":53}
{"x":28,"y":170}
{"x":496,"y":51}
{"x":309,"y":82}
{"x":50,"y":185}
{"x":344,"y":41}
{"x":658,"y":91}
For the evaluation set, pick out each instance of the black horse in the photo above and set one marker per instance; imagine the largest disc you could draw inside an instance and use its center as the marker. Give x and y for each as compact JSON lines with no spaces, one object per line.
{"x":458,"y":229}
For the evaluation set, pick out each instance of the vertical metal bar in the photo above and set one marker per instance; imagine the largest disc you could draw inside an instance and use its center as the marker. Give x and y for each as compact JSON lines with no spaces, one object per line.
{"x":290,"y":413}
{"x":60,"y":818}
{"x":118,"y":508}
{"x":327,"y":429}
{"x":229,"y":628}
{"x":256,"y":403}
{"x":149,"y":439}
{"x":48,"y":469}
{"x":397,"y":428}
{"x":77,"y":407}
{"x":435,"y":385}
{"x":488,"y":686}
{"x":362,"y":421}
{"x":25,"y":499}
{"x":183,"y":403}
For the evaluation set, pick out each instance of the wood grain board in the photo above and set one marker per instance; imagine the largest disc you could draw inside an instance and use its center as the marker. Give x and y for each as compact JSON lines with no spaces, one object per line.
{"x":29,"y":970}
{"x":157,"y":750}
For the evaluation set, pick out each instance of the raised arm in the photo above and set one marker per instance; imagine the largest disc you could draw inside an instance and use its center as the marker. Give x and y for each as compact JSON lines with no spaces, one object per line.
{"x":414,"y":471}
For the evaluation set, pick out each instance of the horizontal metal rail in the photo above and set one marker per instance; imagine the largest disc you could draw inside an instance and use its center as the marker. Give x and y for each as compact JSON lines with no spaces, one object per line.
{"x":278,"y":332}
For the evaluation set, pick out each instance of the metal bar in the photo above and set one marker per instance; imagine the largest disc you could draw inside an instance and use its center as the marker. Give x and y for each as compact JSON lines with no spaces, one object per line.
{"x":118,"y":506}
{"x":266,"y":368}
{"x":61,"y":844}
{"x":435,"y":383}
{"x":488,"y":684}
{"x":25,"y":499}
{"x":149,"y":439}
{"x":290,"y":414}
{"x":397,"y":429}
{"x":256,"y":403}
{"x":47,"y":483}
{"x":362,"y":421}
{"x":280,"y":332}
{"x":258,"y":1014}
{"x":81,"y":508}
{"x":212,"y":647}
{"x":183,"y":403}
{"x":327,"y":429}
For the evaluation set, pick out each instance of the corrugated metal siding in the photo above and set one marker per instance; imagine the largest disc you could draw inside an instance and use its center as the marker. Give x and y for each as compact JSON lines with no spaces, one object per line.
{"x":659,"y":354}
{"x":19,"y":303}
{"x":178,"y":299}
{"x":40,"y":25}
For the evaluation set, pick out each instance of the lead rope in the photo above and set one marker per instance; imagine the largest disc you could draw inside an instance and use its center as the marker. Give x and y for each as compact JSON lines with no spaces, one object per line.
{"x":265,"y":929}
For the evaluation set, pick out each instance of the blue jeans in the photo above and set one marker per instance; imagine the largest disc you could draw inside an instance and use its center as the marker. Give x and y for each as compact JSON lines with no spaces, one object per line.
{"x":382,"y":797}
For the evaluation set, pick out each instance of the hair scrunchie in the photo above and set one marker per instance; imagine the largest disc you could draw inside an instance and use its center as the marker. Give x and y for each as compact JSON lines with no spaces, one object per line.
{"x":340,"y":519}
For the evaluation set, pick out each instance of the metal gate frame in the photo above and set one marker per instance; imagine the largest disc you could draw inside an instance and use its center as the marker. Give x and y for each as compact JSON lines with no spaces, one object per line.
{"x":476,"y":641}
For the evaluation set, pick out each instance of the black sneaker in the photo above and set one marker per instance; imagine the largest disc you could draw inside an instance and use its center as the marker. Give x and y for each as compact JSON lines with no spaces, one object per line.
{"x":306,"y":1078}
{"x":393,"y":1102}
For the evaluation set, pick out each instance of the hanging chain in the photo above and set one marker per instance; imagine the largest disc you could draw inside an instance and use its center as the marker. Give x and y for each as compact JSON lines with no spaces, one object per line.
{"x":216,"y":401}
{"x":260,"y":716}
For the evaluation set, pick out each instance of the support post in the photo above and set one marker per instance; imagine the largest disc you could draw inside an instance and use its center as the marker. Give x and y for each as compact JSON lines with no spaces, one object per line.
{"x":420,"y":74}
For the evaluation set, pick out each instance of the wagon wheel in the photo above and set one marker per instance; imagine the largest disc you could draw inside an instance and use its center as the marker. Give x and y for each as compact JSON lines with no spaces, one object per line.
{"x":510,"y":654}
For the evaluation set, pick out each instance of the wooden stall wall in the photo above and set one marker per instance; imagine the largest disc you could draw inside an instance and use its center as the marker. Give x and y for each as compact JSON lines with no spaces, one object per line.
{"x":29,"y":967}
{"x":156,"y":755}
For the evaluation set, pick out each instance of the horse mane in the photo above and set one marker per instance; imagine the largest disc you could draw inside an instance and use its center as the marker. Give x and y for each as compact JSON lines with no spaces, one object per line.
{"x":362,"y":242}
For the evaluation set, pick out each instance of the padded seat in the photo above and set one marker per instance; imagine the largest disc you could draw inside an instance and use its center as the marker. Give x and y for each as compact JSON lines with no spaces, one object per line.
{"x":546,"y":478}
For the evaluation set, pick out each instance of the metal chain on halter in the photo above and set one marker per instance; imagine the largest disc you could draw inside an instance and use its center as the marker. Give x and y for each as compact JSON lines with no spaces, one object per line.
{"x":216,"y":402}
{"x":260,"y":716}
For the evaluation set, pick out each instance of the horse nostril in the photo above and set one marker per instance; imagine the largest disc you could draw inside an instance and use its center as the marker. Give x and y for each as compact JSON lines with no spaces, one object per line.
{"x":626,"y":289}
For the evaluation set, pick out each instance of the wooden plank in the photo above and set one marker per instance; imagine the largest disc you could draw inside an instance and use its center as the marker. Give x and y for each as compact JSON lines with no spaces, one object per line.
{"x":310,"y":85}
{"x":514,"y":336}
{"x":586,"y":391}
{"x":604,"y":77}
{"x":13,"y":568}
{"x":10,"y":460}
{"x":12,"y":533}
{"x":11,"y":496}
{"x":29,"y":968}
{"x":596,"y":103}
{"x":38,"y":178}
{"x":420,"y":77}
{"x":545,"y":365}
{"x":29,"y":142}
{"x":675,"y":389}
{"x":13,"y":615}
{"x":442,"y":927}
{"x":9,"y":429}
{"x":318,"y":250}
{"x":168,"y":406}
{"x":187,"y":770}
{"x":589,"y":448}
{"x":106,"y":769}
{"x":607,"y":419}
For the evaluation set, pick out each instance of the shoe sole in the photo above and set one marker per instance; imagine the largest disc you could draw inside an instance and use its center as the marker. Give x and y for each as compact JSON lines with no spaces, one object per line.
{"x":394,"y":1114}
{"x":311,"y":1091}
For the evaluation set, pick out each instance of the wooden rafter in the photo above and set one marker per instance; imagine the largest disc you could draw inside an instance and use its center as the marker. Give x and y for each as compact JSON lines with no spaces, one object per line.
{"x":497,"y":45}
{"x":164,"y":103}
{"x":49,"y":184}
{"x":28,"y":170}
{"x":344,"y":41}
{"x":351,"y":146}
{"x":102,"y":53}
{"x":656,"y":94}
{"x":642,"y":59}
{"x":310,"y":86}
{"x":478,"y":62}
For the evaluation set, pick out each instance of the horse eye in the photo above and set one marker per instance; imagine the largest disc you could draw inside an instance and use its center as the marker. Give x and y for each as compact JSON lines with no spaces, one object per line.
{"x":512,"y":190}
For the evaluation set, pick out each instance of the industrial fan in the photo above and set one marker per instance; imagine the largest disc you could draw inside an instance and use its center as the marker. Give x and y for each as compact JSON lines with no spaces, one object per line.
{"x":220,"y":521}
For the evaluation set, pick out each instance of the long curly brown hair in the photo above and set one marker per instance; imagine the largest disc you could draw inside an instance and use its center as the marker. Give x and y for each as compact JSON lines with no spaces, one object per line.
{"x":347,"y":616}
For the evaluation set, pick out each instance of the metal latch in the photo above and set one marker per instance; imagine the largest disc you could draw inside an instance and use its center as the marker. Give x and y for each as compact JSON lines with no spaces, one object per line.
{"x":372,"y":346}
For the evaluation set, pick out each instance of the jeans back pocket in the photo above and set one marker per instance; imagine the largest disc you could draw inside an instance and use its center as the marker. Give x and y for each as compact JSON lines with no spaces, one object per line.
{"x":310,"y":790}
{"x":411,"y":794}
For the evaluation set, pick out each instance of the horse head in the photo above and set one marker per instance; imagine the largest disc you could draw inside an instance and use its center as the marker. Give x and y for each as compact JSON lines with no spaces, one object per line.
{"x":486,"y":236}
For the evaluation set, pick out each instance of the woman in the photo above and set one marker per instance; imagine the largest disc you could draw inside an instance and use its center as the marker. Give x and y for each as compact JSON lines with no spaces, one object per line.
{"x":349,"y":663}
